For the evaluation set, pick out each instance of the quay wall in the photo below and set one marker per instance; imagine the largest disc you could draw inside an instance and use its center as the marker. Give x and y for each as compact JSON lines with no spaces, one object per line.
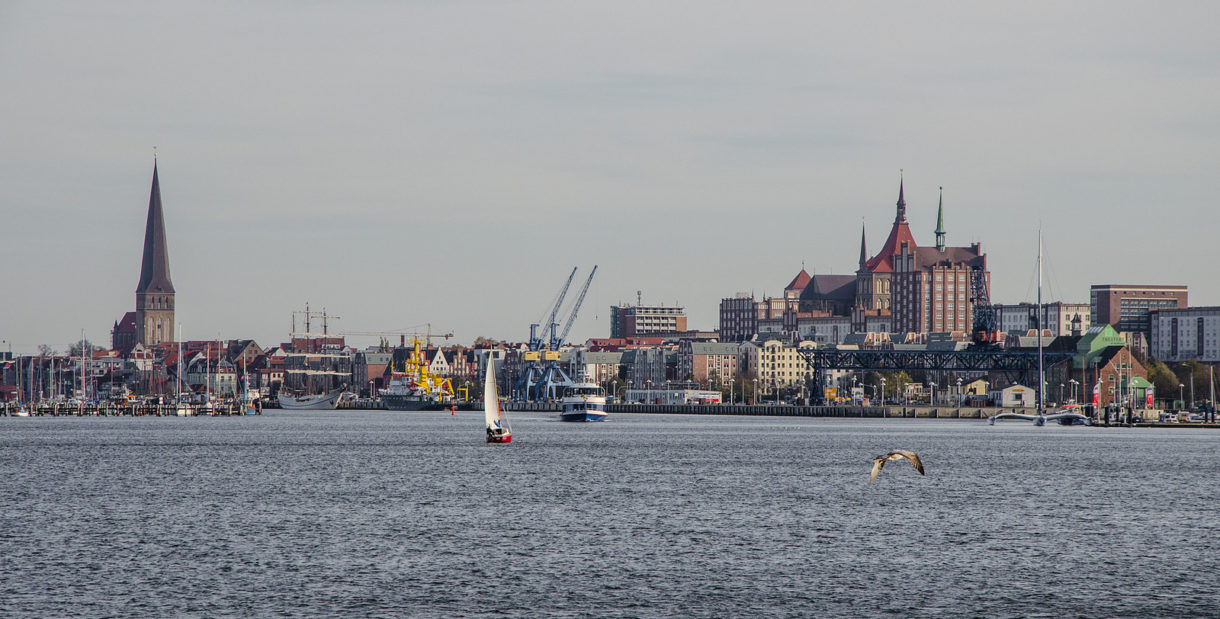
{"x":768,"y":410}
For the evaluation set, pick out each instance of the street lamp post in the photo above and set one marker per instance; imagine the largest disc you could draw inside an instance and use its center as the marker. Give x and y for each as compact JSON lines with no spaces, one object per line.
{"x":1181,"y":393}
{"x":883,"y":391}
{"x":1072,"y":390}
{"x":932,"y":395}
{"x":755,"y":393}
{"x":959,"y":392}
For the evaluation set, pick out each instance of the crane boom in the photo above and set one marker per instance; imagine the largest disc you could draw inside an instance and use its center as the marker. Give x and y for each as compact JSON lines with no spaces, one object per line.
{"x":537,"y":340}
{"x":575,"y":308}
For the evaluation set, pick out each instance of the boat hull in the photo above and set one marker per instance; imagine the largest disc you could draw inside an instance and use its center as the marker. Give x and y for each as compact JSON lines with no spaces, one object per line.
{"x":503,"y":438}
{"x":410,"y":403}
{"x":316,"y":402}
{"x":585,"y":415}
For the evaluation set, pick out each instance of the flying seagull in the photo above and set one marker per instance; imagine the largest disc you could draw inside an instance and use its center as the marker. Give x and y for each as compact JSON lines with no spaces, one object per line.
{"x":897,"y":454}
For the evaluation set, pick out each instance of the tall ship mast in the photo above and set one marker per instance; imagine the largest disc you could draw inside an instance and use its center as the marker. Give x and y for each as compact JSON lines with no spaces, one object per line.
{"x":317,"y":365}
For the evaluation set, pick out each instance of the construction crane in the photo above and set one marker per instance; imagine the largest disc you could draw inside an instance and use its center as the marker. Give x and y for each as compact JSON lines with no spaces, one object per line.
{"x":542,"y":378}
{"x":402,"y":334}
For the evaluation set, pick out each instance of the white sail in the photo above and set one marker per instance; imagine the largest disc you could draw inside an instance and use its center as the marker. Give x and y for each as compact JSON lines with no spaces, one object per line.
{"x":491,"y":397}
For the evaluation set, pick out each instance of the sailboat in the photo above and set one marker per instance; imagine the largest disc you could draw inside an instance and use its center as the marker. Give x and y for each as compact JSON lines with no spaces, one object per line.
{"x":1065,"y":415}
{"x":183,"y":408}
{"x":498,"y":430}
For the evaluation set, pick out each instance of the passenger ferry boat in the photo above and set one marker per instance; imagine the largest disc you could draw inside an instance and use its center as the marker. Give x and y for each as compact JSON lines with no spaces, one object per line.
{"x":584,"y":402}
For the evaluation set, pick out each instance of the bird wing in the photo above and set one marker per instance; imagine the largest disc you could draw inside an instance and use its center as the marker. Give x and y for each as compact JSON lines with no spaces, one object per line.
{"x":913,"y":458}
{"x":877,"y":464}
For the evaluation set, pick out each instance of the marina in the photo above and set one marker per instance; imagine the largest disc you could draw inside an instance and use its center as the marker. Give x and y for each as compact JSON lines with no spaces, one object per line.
{"x":111,"y":409}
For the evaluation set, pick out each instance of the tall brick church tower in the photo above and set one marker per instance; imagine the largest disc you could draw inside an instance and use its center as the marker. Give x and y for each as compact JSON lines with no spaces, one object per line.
{"x":155,"y":293}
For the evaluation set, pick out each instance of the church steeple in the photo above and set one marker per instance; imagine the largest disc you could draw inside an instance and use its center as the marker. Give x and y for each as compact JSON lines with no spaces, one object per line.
{"x":155,"y":292}
{"x":154,"y":271}
{"x":940,"y":222}
{"x":901,"y":218}
{"x":863,"y":249}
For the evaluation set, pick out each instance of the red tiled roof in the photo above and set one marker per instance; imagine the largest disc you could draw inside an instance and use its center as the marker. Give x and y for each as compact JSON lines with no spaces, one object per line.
{"x":799,"y":282}
{"x":883,"y":261}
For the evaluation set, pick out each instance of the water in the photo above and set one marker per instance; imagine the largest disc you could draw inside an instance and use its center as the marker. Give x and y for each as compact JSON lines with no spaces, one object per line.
{"x":373,"y":513}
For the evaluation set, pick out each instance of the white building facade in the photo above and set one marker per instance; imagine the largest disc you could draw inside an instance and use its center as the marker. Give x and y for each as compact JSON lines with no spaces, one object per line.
{"x":1186,"y":334}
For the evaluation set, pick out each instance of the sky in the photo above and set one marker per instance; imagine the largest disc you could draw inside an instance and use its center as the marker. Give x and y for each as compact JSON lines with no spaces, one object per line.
{"x":404,"y":164}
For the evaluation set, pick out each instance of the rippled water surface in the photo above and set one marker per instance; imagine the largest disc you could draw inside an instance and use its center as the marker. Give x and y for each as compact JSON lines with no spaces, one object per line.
{"x":374,"y":513}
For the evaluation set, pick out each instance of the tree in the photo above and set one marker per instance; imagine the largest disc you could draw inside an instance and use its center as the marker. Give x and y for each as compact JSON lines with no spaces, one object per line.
{"x":895,"y":382}
{"x":1194,"y":376}
{"x":1164,"y":381}
{"x":74,"y":350}
{"x":46,"y":351}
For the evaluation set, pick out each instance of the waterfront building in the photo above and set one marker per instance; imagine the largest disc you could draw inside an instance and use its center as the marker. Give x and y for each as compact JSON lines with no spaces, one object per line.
{"x":595,"y":366}
{"x":1185,"y":334}
{"x":776,"y":363}
{"x":1058,"y":317}
{"x":154,"y":316}
{"x":209,"y":371}
{"x":646,"y":320}
{"x":369,"y":370}
{"x":708,"y":363}
{"x":649,"y":368}
{"x":1127,"y":306}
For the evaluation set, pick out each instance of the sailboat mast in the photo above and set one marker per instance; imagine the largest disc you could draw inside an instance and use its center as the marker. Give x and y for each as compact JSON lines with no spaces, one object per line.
{"x":1211,"y":398}
{"x":1041,"y":375}
{"x":178,"y":395}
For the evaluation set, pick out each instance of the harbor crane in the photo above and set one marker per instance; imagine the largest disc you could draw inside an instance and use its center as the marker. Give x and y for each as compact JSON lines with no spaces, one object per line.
{"x":536,"y":340}
{"x":541,"y":381}
{"x":556,"y":343}
{"x":985,"y":332}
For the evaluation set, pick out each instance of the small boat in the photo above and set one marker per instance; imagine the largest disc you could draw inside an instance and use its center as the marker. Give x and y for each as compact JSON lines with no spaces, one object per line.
{"x":310,"y":402}
{"x":184,"y":409}
{"x":498,"y":430}
{"x":584,"y":402}
{"x":22,"y":411}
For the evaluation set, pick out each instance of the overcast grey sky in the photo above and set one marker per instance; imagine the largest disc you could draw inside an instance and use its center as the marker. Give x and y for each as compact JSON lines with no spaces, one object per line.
{"x":401,"y":163}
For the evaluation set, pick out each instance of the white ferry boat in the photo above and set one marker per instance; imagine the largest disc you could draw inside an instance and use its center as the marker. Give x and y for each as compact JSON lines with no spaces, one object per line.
{"x":584,"y":402}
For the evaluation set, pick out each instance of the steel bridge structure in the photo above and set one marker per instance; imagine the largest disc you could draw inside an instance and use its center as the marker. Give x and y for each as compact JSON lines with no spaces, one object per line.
{"x":1019,"y":364}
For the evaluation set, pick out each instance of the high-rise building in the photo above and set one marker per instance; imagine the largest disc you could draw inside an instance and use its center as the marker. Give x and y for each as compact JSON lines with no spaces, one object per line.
{"x":643,"y":320}
{"x":1126,"y":306}
{"x":155,"y":292}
